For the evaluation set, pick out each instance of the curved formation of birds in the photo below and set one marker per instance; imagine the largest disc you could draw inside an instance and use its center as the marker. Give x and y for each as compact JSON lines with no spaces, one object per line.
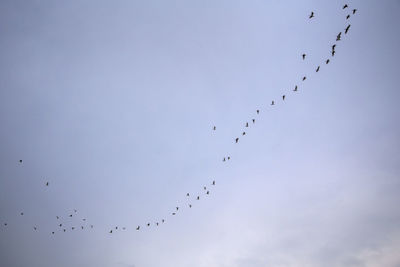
{"x":64,"y":223}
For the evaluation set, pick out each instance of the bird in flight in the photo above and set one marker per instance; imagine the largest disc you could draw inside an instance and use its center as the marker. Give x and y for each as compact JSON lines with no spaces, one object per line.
{"x":347,"y":29}
{"x":70,"y":215}
{"x":137,"y":228}
{"x":213,"y":183}
{"x":345,"y":6}
{"x":304,"y":78}
{"x":52,"y":233}
{"x":60,"y":225}
{"x":208,"y":192}
{"x":223,"y":159}
{"x":272,"y":103}
{"x":82,"y":227}
{"x":148,"y":224}
{"x":254,"y":121}
{"x":214,"y":128}
{"x":187,"y":194}
{"x":20,"y":161}
{"x":64,"y":230}
{"x":327,"y":61}
{"x":333,"y":47}
{"x":333,"y":53}
{"x":162,"y":220}
{"x":190,"y":205}
{"x":247,"y":124}
{"x":317,"y":69}
{"x":229,"y":158}
{"x":177,"y":208}
{"x":198,"y":197}
{"x":244,"y":133}
{"x":258,"y":112}
{"x":338,"y":36}
{"x":311,"y":15}
{"x":72,"y":228}
{"x":22,"y":213}
{"x":283,"y":97}
{"x":304,"y":56}
{"x":237,"y":140}
{"x":47,"y":184}
{"x":173,"y":213}
{"x":110,"y":231}
{"x":354,"y":11}
{"x":34,"y":227}
{"x":348,"y":16}
{"x":204,"y":187}
{"x":295,"y":88}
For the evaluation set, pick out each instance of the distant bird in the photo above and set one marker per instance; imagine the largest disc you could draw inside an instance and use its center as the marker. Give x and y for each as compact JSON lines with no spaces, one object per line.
{"x":345,"y":6}
{"x":82,"y":227}
{"x":312,"y":15}
{"x":354,"y":11}
{"x":47,"y":184}
{"x":75,"y":210}
{"x":64,"y":230}
{"x":333,"y":47}
{"x":190,"y":205}
{"x":244,"y":133}
{"x":148,"y":224}
{"x":110,"y":231}
{"x":84,"y":220}
{"x":22,"y":213}
{"x":304,"y":56}
{"x":137,"y":228}
{"x":198,"y":197}
{"x":327,"y":61}
{"x":237,"y":140}
{"x":157,"y":223}
{"x":20,"y":161}
{"x":333,"y":53}
{"x":34,"y":228}
{"x":272,"y":103}
{"x":254,"y":121}
{"x":283,"y":97}
{"x":223,"y":159}
{"x":348,"y":16}
{"x":5,"y":224}
{"x":208,"y":192}
{"x":347,"y":29}
{"x":317,"y":69}
{"x":123,"y":228}
{"x":72,"y":228}
{"x":52,"y":233}
{"x":58,"y":217}
{"x":247,"y":124}
{"x":204,"y":187}
{"x":70,"y":215}
{"x":258,"y":112}
{"x":304,"y":78}
{"x":214,"y":128}
{"x":187,"y":194}
{"x":91,"y":226}
{"x":177,"y":208}
{"x":60,"y":225}
{"x":213,"y":183}
{"x":295,"y":88}
{"x":162,"y":220}
{"x":229,"y":158}
{"x":338,"y":36}
{"x":116,"y":227}
{"x":173,"y":213}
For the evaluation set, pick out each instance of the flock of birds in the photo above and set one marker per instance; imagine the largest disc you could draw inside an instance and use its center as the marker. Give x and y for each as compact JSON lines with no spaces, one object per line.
{"x":63,"y":225}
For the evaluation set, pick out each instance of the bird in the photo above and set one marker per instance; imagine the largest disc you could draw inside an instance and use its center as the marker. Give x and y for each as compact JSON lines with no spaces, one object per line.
{"x":354,"y":11}
{"x":5,"y":224}
{"x":254,"y":121}
{"x":338,"y":36}
{"x":123,"y":228}
{"x":198,"y":197}
{"x":304,"y":78}
{"x":244,"y":133}
{"x":229,"y":158}
{"x":162,"y":220}
{"x":173,"y":213}
{"x":47,"y":184}
{"x":110,"y":231}
{"x":52,"y":233}
{"x":84,"y":220}
{"x":148,"y":224}
{"x":214,"y":128}
{"x":348,"y":16}
{"x":213,"y":183}
{"x":82,"y":227}
{"x":72,"y":228}
{"x":64,"y":230}
{"x":208,"y":192}
{"x":20,"y":161}
{"x":258,"y":112}
{"x":272,"y":103}
{"x":22,"y":213}
{"x":295,"y":88}
{"x":204,"y":187}
{"x":116,"y":227}
{"x":317,"y":69}
{"x":70,"y":215}
{"x":347,"y":29}
{"x":91,"y":226}
{"x":223,"y":159}
{"x":237,"y":140}
{"x":283,"y":97}
{"x":157,"y":223}
{"x":75,"y":210}
{"x":327,"y":61}
{"x":187,"y":194}
{"x":304,"y":56}
{"x":333,"y":47}
{"x":247,"y":124}
{"x":34,"y":228}
{"x":177,"y":208}
{"x":345,"y":6}
{"x":312,"y":15}
{"x":137,"y":228}
{"x":60,"y":224}
{"x":333,"y":53}
{"x":190,"y":205}
{"x":58,"y":217}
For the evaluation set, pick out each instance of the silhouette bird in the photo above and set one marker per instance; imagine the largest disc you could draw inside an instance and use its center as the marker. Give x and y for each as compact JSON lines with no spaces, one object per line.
{"x":52,"y":233}
{"x":333,"y":53}
{"x":317,"y":69}
{"x":64,"y":230}
{"x":345,"y":6}
{"x":5,"y":224}
{"x":223,"y":159}
{"x":91,"y":226}
{"x":295,"y":88}
{"x":247,"y":124}
{"x":214,"y":128}
{"x":327,"y":61}
{"x":75,"y":210}
{"x":173,"y":213}
{"x":137,"y":228}
{"x":198,"y":197}
{"x":244,"y":133}
{"x":304,"y":78}
{"x":333,"y":47}
{"x":162,"y":220}
{"x":338,"y":36}
{"x":70,"y":215}
{"x":272,"y":103}
{"x":177,"y":208}
{"x":213,"y":183}
{"x":237,"y":140}
{"x":60,"y":225}
{"x":229,"y":158}
{"x":20,"y":161}
{"x":84,"y":220}
{"x":157,"y":223}
{"x":34,"y":228}
{"x":208,"y":192}
{"x":312,"y":15}
{"x":47,"y":184}
{"x":347,"y":29}
{"x":187,"y":194}
{"x":304,"y":56}
{"x":254,"y":121}
{"x":283,"y":97}
{"x":22,"y":213}
{"x":123,"y":228}
{"x":205,"y":188}
{"x":116,"y":227}
{"x":110,"y":231}
{"x":148,"y":224}
{"x":354,"y":11}
{"x":82,"y":227}
{"x":72,"y":228}
{"x":190,"y":205}
{"x":258,"y":112}
{"x":58,"y":217}
{"x":348,"y":16}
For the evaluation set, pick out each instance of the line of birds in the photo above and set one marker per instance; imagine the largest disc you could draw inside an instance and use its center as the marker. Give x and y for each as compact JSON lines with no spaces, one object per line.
{"x":62,"y":226}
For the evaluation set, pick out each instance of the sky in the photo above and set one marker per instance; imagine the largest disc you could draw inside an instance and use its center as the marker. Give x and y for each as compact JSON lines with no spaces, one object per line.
{"x":114,"y":102}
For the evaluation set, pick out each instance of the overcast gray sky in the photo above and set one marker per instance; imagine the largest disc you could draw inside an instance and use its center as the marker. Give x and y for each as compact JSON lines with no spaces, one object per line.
{"x":113,"y":103}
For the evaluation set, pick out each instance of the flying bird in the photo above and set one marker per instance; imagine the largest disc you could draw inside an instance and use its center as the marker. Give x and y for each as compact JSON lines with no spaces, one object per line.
{"x":304,"y":56}
{"x":347,"y":29}
{"x":22,"y":213}
{"x":258,"y":112}
{"x":208,"y":192}
{"x":338,"y":36}
{"x":345,"y":6}
{"x":82,"y":227}
{"x":333,"y":47}
{"x":283,"y":97}
{"x":205,"y":188}
{"x":162,"y":220}
{"x":247,"y":124}
{"x":70,"y":215}
{"x":237,"y":140}
{"x":333,"y":53}
{"x":327,"y":61}
{"x":254,"y":121}
{"x":91,"y":226}
{"x":244,"y":133}
{"x":190,"y":205}
{"x":348,"y":16}
{"x":148,"y":224}
{"x":223,"y":159}
{"x":198,"y":197}
{"x":52,"y":233}
{"x":354,"y":11}
{"x":157,"y":223}
{"x":173,"y":213}
{"x":304,"y":78}
{"x":229,"y":158}
{"x":110,"y":231}
{"x":58,"y":217}
{"x":272,"y":103}
{"x":84,"y":220}
{"x":47,"y":184}
{"x":72,"y":228}
{"x":60,"y":224}
{"x":317,"y":69}
{"x":123,"y":228}
{"x":64,"y":230}
{"x":214,"y":128}
{"x":75,"y":210}
{"x":213,"y":183}
{"x":187,"y":194}
{"x":137,"y":228}
{"x":177,"y":208}
{"x":20,"y":161}
{"x":295,"y":88}
{"x":34,"y":228}
{"x":312,"y":15}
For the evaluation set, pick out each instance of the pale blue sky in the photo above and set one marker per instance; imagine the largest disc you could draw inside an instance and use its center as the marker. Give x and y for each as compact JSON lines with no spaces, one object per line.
{"x":113,"y":103}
